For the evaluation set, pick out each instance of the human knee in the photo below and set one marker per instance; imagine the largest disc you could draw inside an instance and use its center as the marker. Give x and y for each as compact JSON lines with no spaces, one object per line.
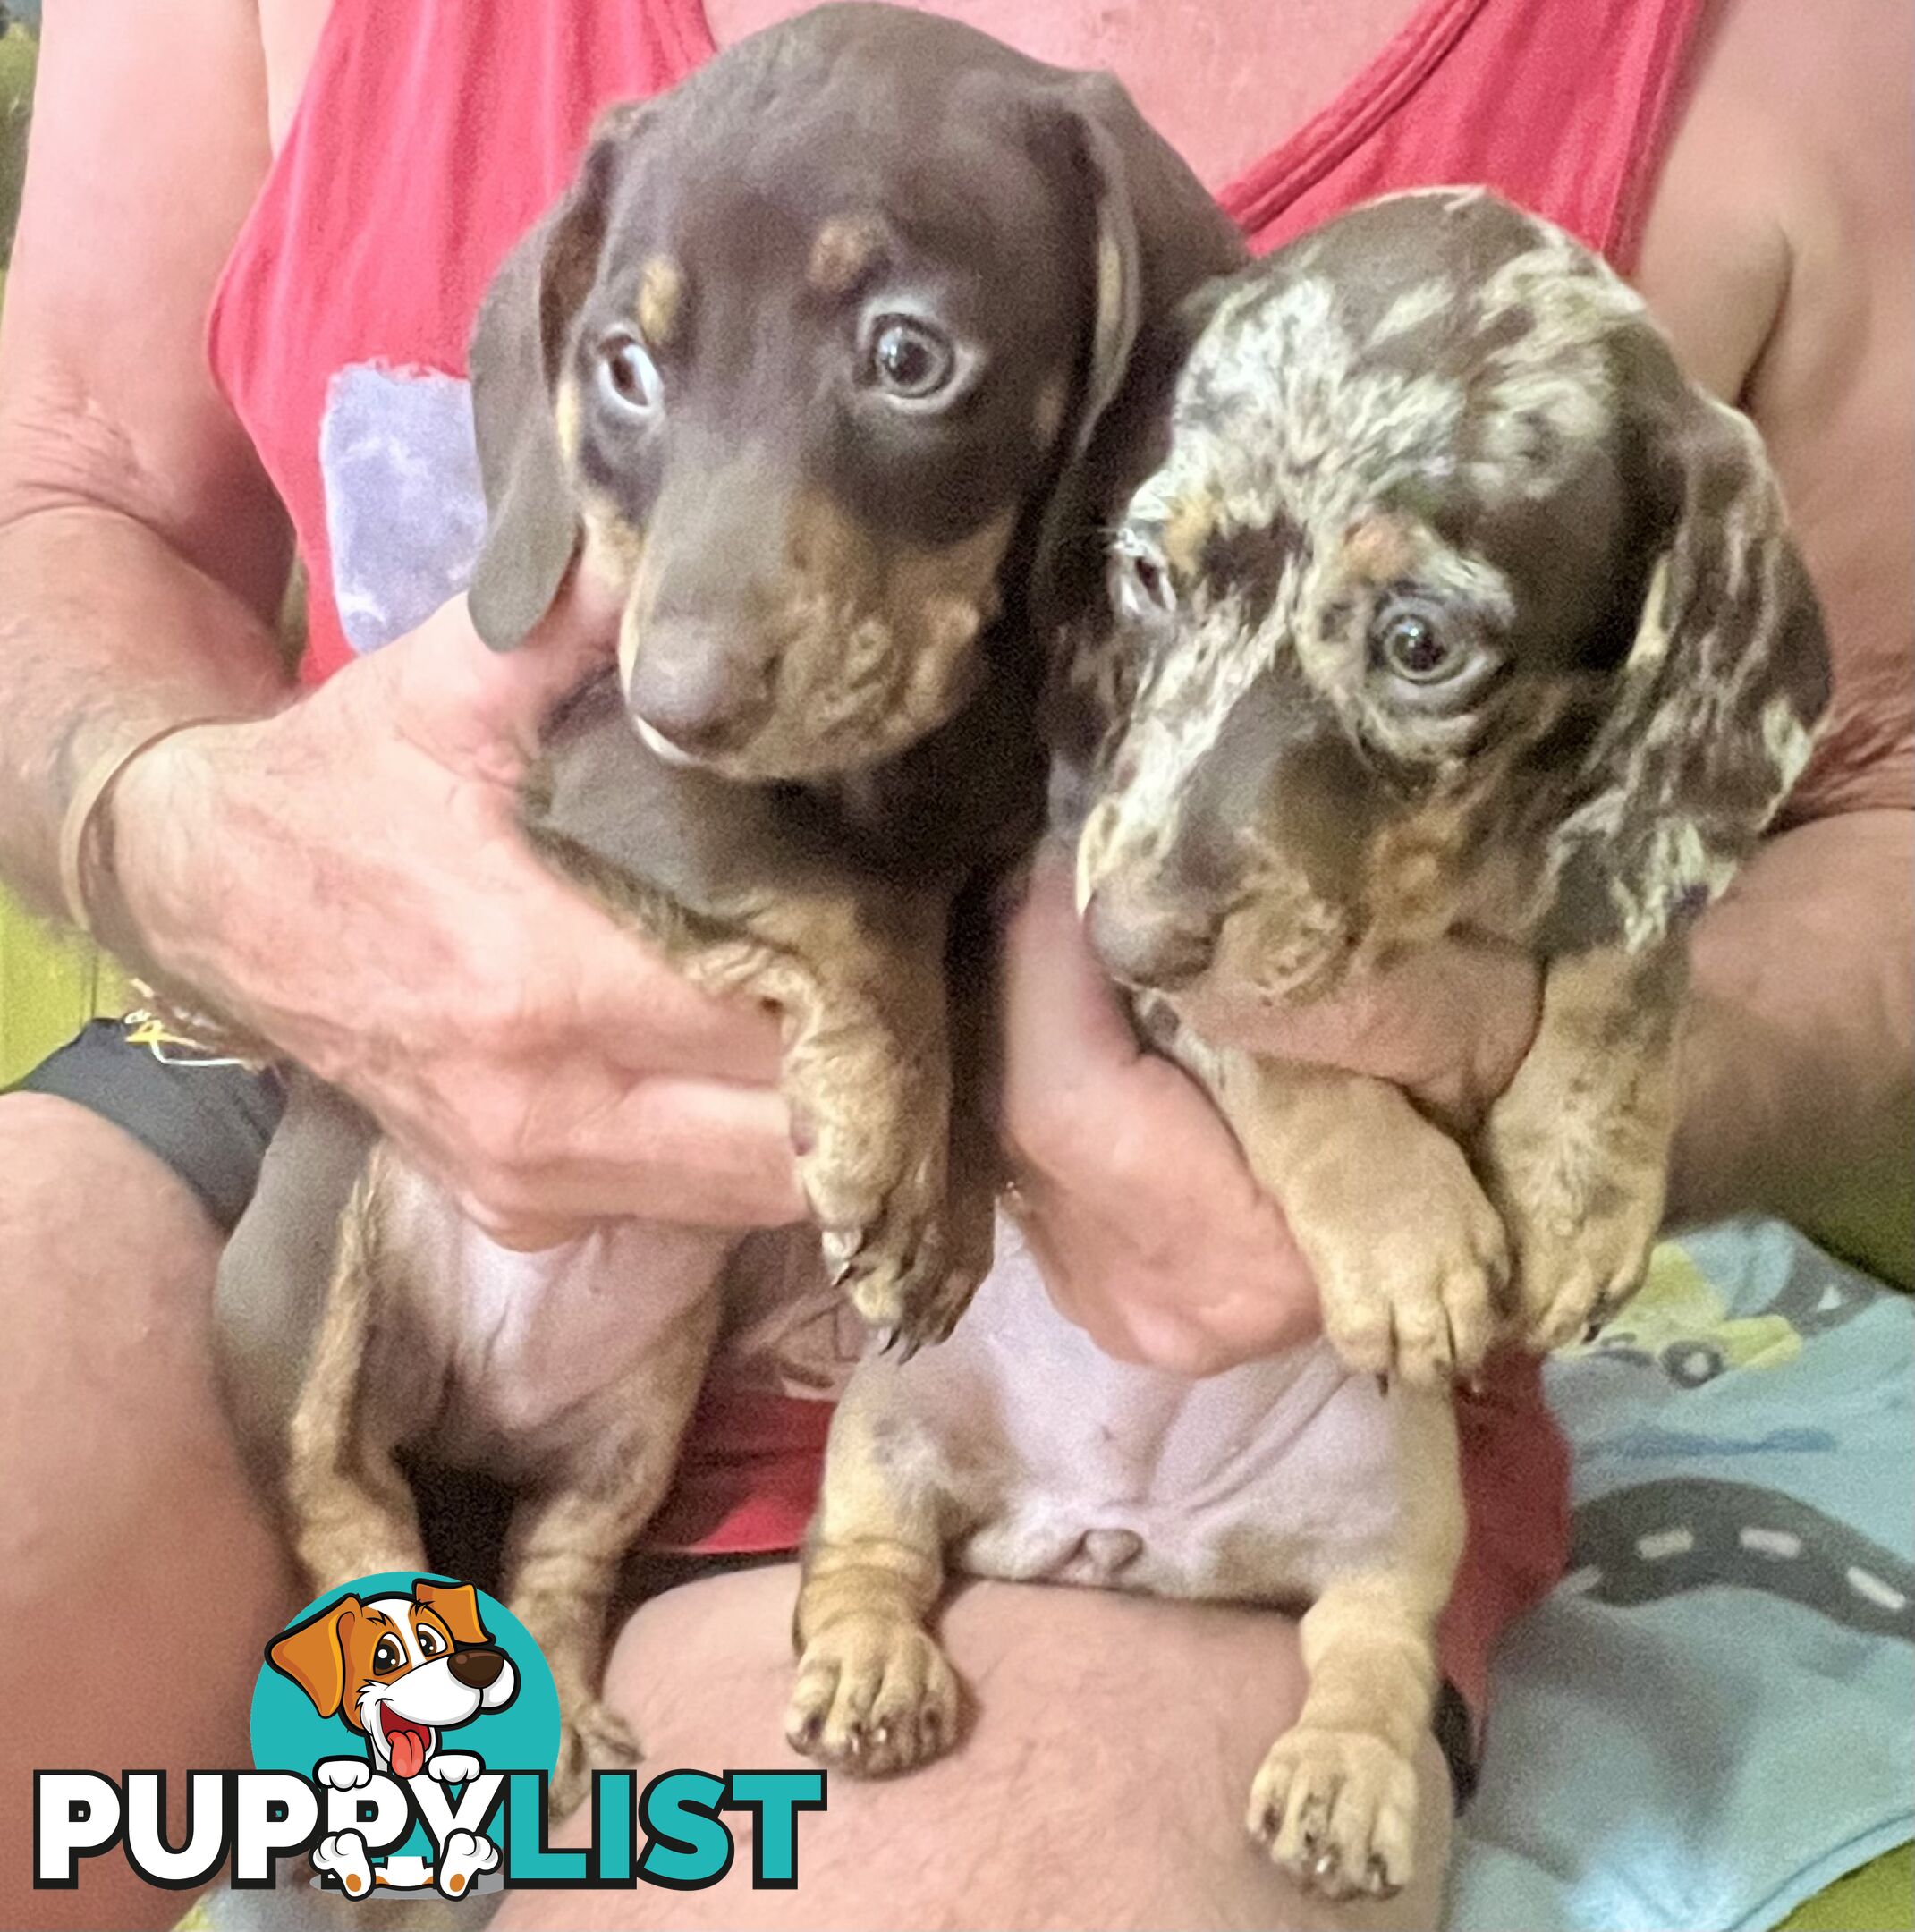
{"x":78,"y":1185}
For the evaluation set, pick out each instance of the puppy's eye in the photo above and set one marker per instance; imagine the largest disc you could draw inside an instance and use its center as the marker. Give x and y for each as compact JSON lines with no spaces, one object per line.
{"x":430,"y":1643}
{"x":1432,"y":655}
{"x":627,"y":375}
{"x":387,"y":1655}
{"x":909,"y":359}
{"x":1140,"y":583}
{"x":1413,"y":645}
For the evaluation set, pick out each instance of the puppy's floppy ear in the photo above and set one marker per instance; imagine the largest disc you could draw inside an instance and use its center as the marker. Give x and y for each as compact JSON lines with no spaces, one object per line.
{"x":517,"y":350}
{"x":1155,"y":234}
{"x":457,"y":1606}
{"x":1718,"y":699}
{"x":313,"y":1654}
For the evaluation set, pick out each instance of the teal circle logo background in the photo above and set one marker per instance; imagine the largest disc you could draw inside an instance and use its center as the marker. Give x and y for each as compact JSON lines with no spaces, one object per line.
{"x":288,"y":1735}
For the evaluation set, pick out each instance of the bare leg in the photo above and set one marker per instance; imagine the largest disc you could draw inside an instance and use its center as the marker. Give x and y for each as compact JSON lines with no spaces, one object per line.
{"x":1103,"y":1784}
{"x":124,"y":1501}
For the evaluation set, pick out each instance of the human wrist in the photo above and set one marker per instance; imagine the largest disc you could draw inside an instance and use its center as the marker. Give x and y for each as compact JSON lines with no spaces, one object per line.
{"x":155,"y":902}
{"x":87,"y":869}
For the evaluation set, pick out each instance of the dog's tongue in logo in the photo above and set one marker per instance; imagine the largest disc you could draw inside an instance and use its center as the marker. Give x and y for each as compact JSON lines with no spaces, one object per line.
{"x":409,"y":1743}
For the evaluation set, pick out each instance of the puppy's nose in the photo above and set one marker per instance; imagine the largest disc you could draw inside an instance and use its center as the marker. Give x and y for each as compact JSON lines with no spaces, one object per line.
{"x":698,"y":685}
{"x":1147,"y":945}
{"x":477,"y":1668}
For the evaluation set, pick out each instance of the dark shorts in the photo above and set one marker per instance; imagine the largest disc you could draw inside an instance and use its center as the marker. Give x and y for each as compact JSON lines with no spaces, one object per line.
{"x":210,"y":1121}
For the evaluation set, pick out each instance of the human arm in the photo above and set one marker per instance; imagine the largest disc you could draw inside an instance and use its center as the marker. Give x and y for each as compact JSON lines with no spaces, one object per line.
{"x":1778,"y":257}
{"x":339,"y":872}
{"x":1780,"y":254}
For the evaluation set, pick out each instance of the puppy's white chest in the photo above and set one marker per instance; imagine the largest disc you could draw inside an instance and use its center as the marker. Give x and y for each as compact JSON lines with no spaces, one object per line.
{"x":525,"y":1339}
{"x":537,"y":1333}
{"x":1254,"y":1483}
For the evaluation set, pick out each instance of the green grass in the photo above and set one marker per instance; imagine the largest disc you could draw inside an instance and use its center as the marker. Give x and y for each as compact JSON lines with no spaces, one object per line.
{"x":1878,"y":1898}
{"x":18,"y":57}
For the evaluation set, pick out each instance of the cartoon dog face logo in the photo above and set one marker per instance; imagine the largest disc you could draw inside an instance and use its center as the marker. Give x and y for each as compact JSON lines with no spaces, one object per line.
{"x":399,"y":1670}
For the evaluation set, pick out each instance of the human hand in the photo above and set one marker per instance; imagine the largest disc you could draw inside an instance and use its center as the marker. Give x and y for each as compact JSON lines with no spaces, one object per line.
{"x":1150,"y":1231}
{"x":348,"y":880}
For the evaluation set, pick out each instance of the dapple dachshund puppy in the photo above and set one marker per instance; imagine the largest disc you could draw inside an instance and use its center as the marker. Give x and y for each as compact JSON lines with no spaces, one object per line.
{"x":1452,"y":609}
{"x":806,"y":364}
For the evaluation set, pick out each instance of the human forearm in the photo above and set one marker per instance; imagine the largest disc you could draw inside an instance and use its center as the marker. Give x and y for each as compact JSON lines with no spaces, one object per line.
{"x":1799,"y":1066}
{"x":107,"y":635}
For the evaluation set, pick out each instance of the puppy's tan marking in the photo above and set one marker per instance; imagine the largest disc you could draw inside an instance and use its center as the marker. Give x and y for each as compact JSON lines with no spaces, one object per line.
{"x":1335,"y":1800}
{"x":1193,"y":518}
{"x":1054,"y":398}
{"x":874,"y":1692}
{"x":1413,"y":1293}
{"x":904,"y":1204}
{"x":1414,"y":879}
{"x":351,"y":1507}
{"x":661,"y":301}
{"x":874,"y":641}
{"x":1380,"y":549}
{"x":866,"y":1069}
{"x":565,"y":416}
{"x":845,"y":249}
{"x":1575,"y":1153}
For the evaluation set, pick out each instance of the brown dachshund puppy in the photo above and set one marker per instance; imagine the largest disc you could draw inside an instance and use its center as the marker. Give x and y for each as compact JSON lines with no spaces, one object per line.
{"x":808,"y":363}
{"x":1452,"y":608}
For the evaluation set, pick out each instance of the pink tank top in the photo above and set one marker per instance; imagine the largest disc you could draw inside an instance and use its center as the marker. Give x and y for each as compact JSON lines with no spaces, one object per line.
{"x":432,"y":132}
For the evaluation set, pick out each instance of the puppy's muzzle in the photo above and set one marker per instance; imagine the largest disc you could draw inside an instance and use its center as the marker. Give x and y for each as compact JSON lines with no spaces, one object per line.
{"x":476,"y":1668}
{"x":1147,"y":943}
{"x":698,"y":685}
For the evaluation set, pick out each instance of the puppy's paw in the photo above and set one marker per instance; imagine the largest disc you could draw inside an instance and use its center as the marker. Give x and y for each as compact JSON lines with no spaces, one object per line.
{"x":343,"y":1773}
{"x":903,"y":1271}
{"x":464,"y":1857}
{"x":875,"y":1695}
{"x":1582,"y":1218}
{"x":1410,"y":1283}
{"x":343,"y":1855}
{"x":1336,"y":1810}
{"x":1570,"y":1281}
{"x":593,"y":1738}
{"x":454,"y":1767}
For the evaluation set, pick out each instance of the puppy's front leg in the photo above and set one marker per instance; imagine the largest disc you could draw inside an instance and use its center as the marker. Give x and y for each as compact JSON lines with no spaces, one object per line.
{"x":868,"y":1071}
{"x":1410,"y":1258}
{"x":875,"y":1693}
{"x":568,"y":1538}
{"x":1335,"y":1801}
{"x":350,"y":1511}
{"x":1576,"y":1152}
